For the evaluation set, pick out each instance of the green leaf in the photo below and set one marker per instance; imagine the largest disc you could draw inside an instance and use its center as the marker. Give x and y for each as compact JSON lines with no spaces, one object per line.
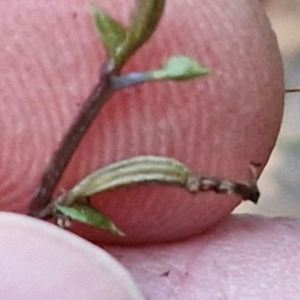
{"x":89,"y":215}
{"x":179,"y":68}
{"x":145,"y":18}
{"x":111,"y":32}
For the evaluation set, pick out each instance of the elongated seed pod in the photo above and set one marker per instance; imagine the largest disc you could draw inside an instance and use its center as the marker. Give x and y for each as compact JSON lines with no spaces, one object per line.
{"x":130,"y":171}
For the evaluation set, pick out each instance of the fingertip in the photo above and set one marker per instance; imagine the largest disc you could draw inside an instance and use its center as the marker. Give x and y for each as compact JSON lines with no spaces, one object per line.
{"x":40,"y":261}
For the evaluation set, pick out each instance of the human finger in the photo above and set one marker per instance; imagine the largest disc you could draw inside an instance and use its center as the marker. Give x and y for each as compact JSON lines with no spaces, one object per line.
{"x":245,"y":257}
{"x":40,"y":261}
{"x":217,"y":125}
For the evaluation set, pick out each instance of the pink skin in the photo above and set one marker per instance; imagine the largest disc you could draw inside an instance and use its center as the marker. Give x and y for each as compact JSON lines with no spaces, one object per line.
{"x":40,"y":261}
{"x":217,"y":125}
{"x":49,"y":60}
{"x":245,"y":257}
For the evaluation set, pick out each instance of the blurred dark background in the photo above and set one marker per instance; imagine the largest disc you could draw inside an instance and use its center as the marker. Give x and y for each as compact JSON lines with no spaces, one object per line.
{"x":280,"y":182}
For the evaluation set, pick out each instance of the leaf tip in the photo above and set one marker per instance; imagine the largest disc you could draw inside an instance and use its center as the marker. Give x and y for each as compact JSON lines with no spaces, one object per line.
{"x":116,"y":231}
{"x":179,"y":68}
{"x":111,"y":32}
{"x":88,"y":215}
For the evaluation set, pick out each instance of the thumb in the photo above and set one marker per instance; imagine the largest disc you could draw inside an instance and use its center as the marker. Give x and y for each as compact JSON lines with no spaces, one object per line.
{"x":216,"y":125}
{"x":39,"y":261}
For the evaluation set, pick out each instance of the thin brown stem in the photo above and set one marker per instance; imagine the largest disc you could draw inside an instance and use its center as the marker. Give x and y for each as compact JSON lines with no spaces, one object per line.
{"x":247,"y":191}
{"x":292,"y":90}
{"x":70,"y":141}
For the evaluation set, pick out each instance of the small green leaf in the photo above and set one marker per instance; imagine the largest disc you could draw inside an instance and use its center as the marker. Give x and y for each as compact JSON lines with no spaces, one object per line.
{"x":89,"y":215}
{"x":145,"y":18}
{"x":179,"y":68}
{"x":111,"y":32}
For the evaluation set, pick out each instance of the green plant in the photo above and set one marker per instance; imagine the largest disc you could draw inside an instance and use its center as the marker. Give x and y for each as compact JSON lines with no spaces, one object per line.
{"x":120,"y":44}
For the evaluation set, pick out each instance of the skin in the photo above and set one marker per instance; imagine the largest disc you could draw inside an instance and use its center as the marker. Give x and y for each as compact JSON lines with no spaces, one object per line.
{"x":245,"y":257}
{"x":51,"y":56}
{"x":40,"y":261}
{"x":217,"y":125}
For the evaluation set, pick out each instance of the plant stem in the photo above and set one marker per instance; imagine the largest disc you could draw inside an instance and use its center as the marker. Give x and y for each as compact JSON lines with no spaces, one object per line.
{"x":292,"y":90}
{"x":62,"y":156}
